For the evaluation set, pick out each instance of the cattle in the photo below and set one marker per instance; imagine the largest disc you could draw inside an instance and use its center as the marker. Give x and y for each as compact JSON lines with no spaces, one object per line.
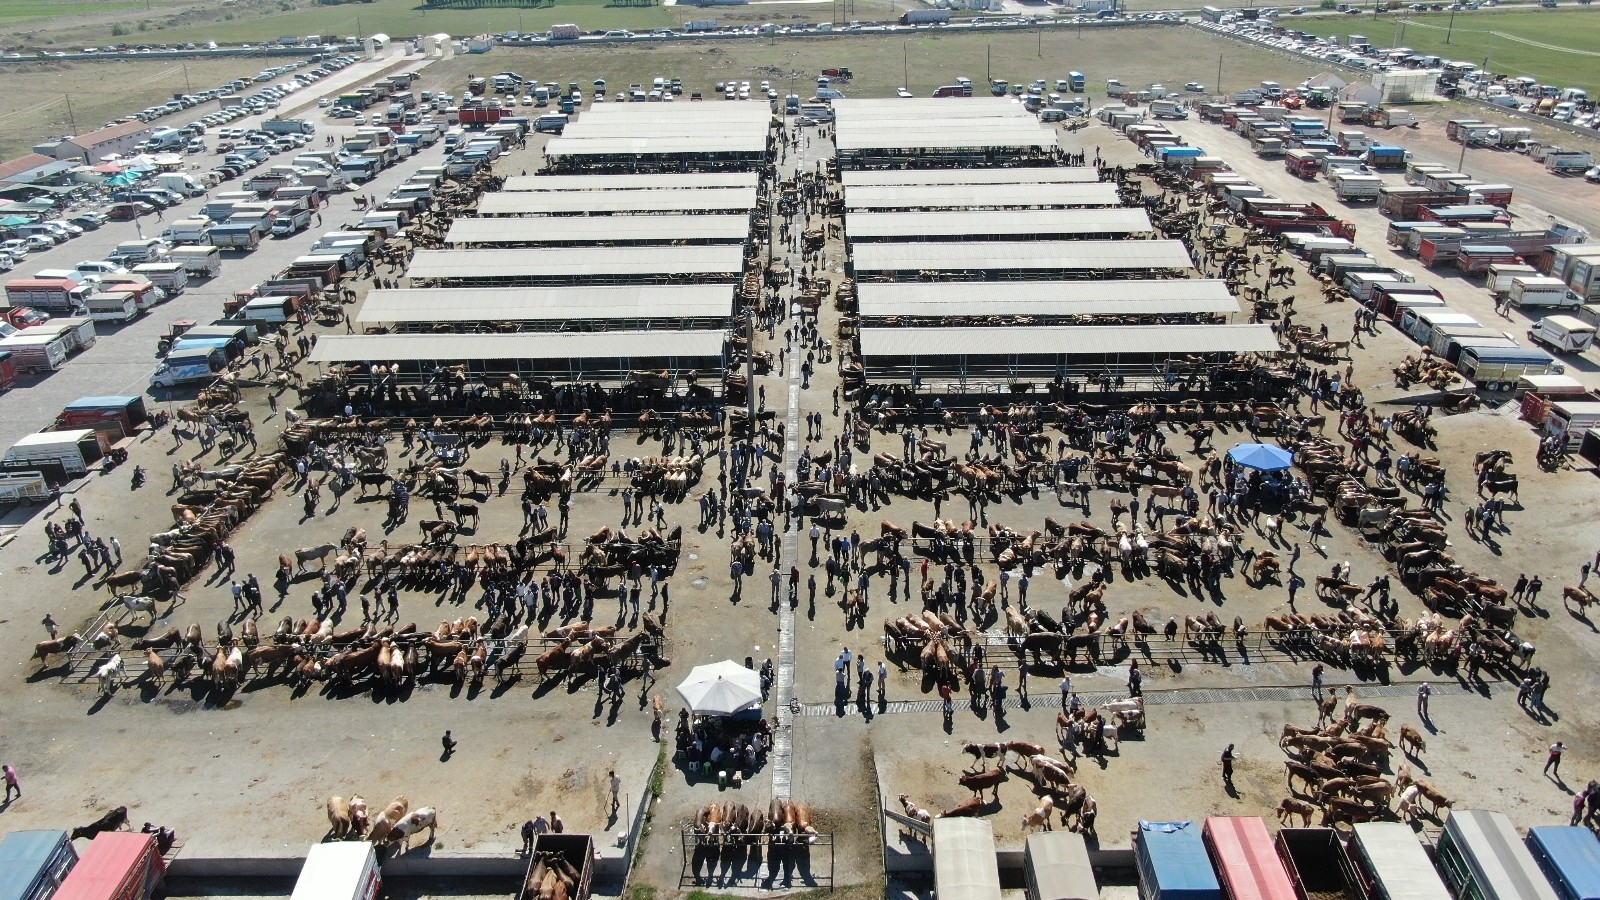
{"x":111,"y":674}
{"x":978,"y":782}
{"x":426,"y":817}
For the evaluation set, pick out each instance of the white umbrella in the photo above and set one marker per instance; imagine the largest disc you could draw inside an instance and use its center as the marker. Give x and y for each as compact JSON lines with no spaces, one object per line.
{"x":721,"y":689}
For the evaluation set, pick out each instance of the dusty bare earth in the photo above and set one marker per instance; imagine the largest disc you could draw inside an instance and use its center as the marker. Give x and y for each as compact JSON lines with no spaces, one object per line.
{"x":247,"y":772}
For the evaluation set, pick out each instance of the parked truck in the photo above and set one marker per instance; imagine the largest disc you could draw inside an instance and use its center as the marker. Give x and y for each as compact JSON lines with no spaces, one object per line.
{"x":19,"y":879}
{"x":289,"y":126}
{"x":188,"y":366}
{"x":1314,"y":859}
{"x":569,"y":857}
{"x":1350,"y":186}
{"x":116,"y":307}
{"x":57,"y":296}
{"x":236,"y":236}
{"x":171,"y":277}
{"x":1380,"y":156}
{"x":1538,"y":290}
{"x":119,"y":865}
{"x":339,"y":871}
{"x":58,"y":454}
{"x":116,"y":417}
{"x":1565,"y":334}
{"x":563,"y":33}
{"x":1168,"y":109}
{"x":8,"y":365}
{"x":292,"y":223}
{"x":1569,"y":162}
{"x":35,"y":353}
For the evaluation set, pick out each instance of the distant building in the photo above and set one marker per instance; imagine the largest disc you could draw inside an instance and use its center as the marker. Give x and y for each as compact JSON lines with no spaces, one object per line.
{"x":91,"y":148}
{"x":35,"y":168}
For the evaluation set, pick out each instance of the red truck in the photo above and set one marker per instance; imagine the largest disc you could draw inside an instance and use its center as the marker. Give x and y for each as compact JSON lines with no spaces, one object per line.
{"x":8,"y":370}
{"x":22,"y":316}
{"x":119,"y":865}
{"x":480,"y":115}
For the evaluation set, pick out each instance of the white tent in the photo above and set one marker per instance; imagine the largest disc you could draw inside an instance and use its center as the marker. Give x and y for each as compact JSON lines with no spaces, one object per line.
{"x":721,"y":689}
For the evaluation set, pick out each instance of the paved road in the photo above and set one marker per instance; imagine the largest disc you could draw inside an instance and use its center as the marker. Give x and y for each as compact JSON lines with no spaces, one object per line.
{"x":123,"y":358}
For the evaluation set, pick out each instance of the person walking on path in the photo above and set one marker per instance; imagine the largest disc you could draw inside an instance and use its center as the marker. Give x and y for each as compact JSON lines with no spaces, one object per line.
{"x":449,"y":744}
{"x":1553,"y":762}
{"x":1423,"y":693}
{"x":50,"y":626}
{"x":1227,"y":768}
{"x":1316,"y":681}
{"x":616,"y":790}
{"x":11,"y":782}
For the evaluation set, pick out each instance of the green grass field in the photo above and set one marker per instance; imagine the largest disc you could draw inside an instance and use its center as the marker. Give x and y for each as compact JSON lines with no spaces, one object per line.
{"x":20,"y":11}
{"x":1559,"y":47}
{"x":258,"y":20}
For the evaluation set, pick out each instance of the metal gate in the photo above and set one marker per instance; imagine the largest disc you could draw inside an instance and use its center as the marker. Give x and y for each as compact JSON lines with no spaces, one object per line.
{"x":756,"y":861}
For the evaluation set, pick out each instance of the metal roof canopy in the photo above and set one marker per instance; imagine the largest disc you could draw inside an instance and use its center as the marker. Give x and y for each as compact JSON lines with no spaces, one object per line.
{"x":685,"y":145}
{"x":952,"y":256}
{"x":1011,"y":175}
{"x":576,"y":262}
{"x":754,"y":114}
{"x":1036,"y":298}
{"x":680,"y":181}
{"x":890,"y":137}
{"x":923,"y":108}
{"x":535,"y":203}
{"x":574,"y":230}
{"x":426,"y":305}
{"x":998,"y":224}
{"x":609,"y":345}
{"x":883,"y":344}
{"x":962,"y":196}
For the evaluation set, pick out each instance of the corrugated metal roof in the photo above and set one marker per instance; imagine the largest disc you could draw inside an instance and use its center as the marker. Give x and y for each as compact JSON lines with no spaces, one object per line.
{"x":713,"y":259}
{"x":963,"y":196}
{"x":705,"y":144}
{"x":1016,"y":175}
{"x":533,"y":203}
{"x":1056,"y":340}
{"x":514,"y":304}
{"x":1045,"y":298}
{"x":890,"y":137}
{"x":946,"y":255}
{"x":597,"y":229}
{"x":632,"y":347}
{"x":1008,"y":223}
{"x":925,"y":108}
{"x":756,"y":115}
{"x":678,"y":181}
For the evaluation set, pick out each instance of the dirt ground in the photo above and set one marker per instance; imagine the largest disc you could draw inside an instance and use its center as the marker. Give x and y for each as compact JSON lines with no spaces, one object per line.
{"x":190,"y":759}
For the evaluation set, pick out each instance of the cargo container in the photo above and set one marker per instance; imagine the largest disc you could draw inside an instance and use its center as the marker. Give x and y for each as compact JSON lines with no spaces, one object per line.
{"x":1420,"y":323}
{"x":8,"y":369}
{"x":574,"y":854}
{"x":237,"y":236}
{"x":172,"y":277}
{"x":1474,"y":258}
{"x":1498,"y":278}
{"x":339,"y":871}
{"x":1569,"y":858}
{"x":122,"y":415}
{"x":58,"y":454}
{"x":32,"y":863}
{"x":119,"y":865}
{"x":1172,"y":863}
{"x":1538,"y":290}
{"x":35,"y":353}
{"x":1056,"y":867}
{"x":1447,"y":340}
{"x":1386,"y":861}
{"x":1497,"y":369}
{"x":116,"y":307}
{"x":1354,"y":186}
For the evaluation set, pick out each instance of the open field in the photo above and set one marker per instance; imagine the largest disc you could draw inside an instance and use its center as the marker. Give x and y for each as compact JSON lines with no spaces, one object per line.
{"x":34,"y":105}
{"x":256,"y":20}
{"x":1556,"y":47}
{"x":15,"y":12}
{"x":882,"y":63}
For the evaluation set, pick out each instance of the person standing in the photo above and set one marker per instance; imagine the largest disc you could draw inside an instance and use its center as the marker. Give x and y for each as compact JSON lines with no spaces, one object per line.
{"x":1423,"y":693}
{"x":50,"y":626}
{"x":1553,"y":762}
{"x":883,"y":678}
{"x":1227,"y":767}
{"x":846,"y":657}
{"x":527,"y":837}
{"x":616,"y":789}
{"x":1316,"y":681}
{"x":11,"y":782}
{"x":1066,"y":689}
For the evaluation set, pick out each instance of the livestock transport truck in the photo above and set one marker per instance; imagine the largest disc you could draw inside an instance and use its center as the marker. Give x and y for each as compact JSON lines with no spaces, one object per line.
{"x":567,"y":859}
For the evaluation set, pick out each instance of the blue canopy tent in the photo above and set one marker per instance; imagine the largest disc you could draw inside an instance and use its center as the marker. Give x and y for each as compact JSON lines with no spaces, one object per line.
{"x":1262,"y":457}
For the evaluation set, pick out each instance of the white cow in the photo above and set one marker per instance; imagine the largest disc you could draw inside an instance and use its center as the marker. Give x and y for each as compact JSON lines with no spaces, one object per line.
{"x":111,"y":674}
{"x":426,"y":817}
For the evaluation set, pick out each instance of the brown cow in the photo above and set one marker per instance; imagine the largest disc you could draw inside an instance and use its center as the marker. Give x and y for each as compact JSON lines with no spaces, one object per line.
{"x":979,"y":782}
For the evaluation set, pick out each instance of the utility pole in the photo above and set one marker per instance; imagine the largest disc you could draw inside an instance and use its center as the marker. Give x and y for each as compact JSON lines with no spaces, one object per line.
{"x":988,"y":57}
{"x":1219,"y":74}
{"x":905,"y":66}
{"x":187,"y":86}
{"x":71,"y":119}
{"x":1452,"y":27}
{"x":1039,"y":52}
